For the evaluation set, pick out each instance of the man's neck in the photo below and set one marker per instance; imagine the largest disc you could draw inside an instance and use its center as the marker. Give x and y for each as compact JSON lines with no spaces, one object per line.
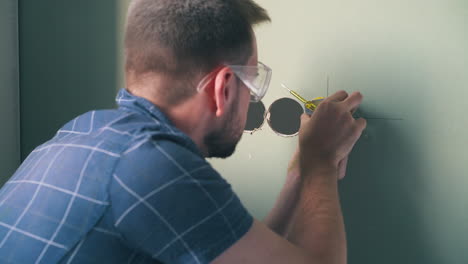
{"x":187,"y":116}
{"x":188,"y":119}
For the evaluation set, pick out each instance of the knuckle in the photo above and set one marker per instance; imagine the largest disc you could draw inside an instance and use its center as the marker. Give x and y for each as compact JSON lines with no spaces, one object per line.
{"x":342,"y":92}
{"x":343,"y":117}
{"x":364,"y":122}
{"x":359,"y":126}
{"x":324,"y":104}
{"x":360,"y":96}
{"x":344,"y":114}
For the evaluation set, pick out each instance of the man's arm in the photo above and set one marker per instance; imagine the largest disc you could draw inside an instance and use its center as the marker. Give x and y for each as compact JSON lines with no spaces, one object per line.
{"x":318,"y":221}
{"x":306,"y":232}
{"x":283,"y":215}
{"x":315,"y":228}
{"x":279,"y":217}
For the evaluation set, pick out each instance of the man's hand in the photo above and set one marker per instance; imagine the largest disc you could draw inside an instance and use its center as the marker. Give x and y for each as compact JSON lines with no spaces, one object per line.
{"x":325,"y":141}
{"x":342,"y":168}
{"x":327,"y":137}
{"x":294,"y":168}
{"x":311,"y":221}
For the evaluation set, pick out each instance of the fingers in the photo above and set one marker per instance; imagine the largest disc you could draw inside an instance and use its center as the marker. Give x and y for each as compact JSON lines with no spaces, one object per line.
{"x":342,"y":168}
{"x":294,"y":162}
{"x":361,"y":124}
{"x":304,"y":118}
{"x":338,"y":96}
{"x":353,"y":101}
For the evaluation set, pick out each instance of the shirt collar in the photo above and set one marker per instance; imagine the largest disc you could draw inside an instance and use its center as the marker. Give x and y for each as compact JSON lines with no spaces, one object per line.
{"x":127,"y":100}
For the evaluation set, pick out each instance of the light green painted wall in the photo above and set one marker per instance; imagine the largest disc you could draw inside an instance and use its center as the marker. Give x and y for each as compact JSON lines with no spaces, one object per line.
{"x":69,"y":65}
{"x":405,"y":197}
{"x":9,"y":92}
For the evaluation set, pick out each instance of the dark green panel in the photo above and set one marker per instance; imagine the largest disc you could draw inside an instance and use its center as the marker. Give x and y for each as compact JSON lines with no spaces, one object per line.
{"x":68,"y":57}
{"x":9,"y":99}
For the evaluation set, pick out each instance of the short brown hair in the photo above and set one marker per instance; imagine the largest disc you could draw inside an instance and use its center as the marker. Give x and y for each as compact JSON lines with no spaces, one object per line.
{"x":184,"y":38}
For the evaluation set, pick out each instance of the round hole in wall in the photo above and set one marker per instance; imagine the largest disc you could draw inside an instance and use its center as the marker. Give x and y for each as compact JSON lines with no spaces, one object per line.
{"x":284,"y":117}
{"x":255,"y":117}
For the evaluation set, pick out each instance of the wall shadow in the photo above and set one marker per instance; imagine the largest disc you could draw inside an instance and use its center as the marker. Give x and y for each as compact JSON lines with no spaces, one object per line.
{"x":380,"y":201}
{"x":382,"y":193}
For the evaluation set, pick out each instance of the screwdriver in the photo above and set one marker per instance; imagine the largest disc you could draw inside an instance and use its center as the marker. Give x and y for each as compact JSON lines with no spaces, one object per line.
{"x":311,"y":106}
{"x":308,"y":104}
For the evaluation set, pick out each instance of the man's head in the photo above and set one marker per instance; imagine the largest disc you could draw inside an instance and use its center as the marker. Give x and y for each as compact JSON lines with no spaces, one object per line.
{"x":185,"y":40}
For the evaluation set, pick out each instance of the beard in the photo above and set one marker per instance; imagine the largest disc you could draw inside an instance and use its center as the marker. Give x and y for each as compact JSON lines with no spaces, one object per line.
{"x":222,"y":142}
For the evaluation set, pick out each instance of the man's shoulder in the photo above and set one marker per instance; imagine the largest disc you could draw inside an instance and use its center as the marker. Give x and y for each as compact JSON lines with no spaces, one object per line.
{"x":119,"y":121}
{"x":119,"y":127}
{"x":139,"y":142}
{"x":163,"y":154}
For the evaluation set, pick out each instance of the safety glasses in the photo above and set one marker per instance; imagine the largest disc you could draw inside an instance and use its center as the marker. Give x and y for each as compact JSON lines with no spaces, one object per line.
{"x":256,"y":78}
{"x":283,"y":116}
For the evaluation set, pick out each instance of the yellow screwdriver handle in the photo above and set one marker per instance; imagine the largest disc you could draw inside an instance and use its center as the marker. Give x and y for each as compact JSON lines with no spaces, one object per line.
{"x":311,"y":106}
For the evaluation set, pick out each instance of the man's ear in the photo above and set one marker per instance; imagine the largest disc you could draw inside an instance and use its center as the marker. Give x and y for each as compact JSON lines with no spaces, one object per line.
{"x":222,"y":89}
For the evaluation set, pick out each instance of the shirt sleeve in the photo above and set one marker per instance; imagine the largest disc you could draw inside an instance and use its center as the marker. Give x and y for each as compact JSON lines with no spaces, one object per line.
{"x":171,"y":204}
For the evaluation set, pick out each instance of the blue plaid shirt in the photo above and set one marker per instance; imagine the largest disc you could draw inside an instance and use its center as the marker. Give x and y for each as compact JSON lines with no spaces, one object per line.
{"x":118,"y":186}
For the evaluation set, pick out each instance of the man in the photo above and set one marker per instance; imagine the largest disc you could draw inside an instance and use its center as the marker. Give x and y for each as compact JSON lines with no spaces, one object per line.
{"x":131,"y":185}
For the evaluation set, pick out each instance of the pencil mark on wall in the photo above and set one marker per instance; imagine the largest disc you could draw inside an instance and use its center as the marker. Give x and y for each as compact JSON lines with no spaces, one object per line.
{"x":375,"y":118}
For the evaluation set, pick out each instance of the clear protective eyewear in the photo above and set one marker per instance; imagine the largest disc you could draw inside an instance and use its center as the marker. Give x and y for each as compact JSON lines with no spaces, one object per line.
{"x":256,"y":78}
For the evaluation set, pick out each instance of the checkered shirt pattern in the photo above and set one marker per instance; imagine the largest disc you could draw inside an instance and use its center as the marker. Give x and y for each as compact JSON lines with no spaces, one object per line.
{"x":118,"y":186}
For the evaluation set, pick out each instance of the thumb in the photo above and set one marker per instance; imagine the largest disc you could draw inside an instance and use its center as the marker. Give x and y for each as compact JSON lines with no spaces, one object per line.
{"x":304,"y":118}
{"x":342,"y":168}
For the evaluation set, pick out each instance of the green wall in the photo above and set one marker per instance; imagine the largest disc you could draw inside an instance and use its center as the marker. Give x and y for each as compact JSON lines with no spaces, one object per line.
{"x":9,"y":90}
{"x":68,"y":63}
{"x":405,"y":197}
